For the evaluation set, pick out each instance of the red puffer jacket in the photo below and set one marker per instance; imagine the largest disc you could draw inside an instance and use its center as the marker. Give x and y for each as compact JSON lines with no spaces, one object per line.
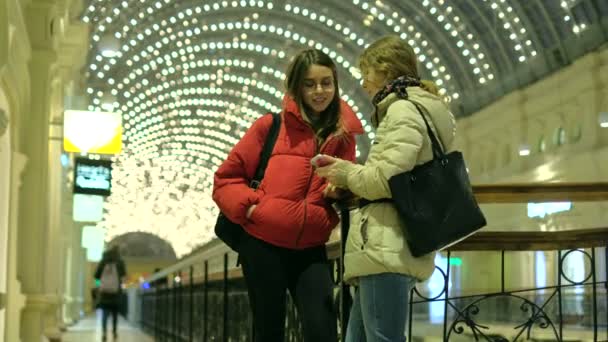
{"x":291,"y":211}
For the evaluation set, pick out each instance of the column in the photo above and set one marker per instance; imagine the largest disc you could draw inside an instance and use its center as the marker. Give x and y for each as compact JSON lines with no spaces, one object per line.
{"x":14,"y":56}
{"x":73,"y":291}
{"x":37,"y":241}
{"x":16,"y":300}
{"x":38,"y":250}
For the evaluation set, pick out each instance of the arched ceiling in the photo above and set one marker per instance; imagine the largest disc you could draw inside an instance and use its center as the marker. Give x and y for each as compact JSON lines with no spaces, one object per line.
{"x":190,"y":77}
{"x":143,"y":246}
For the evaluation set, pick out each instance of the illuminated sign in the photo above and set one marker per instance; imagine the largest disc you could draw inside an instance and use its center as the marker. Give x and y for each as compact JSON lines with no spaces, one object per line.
{"x":92,"y":132}
{"x":87,"y":208}
{"x":543,"y":209}
{"x":93,"y":240}
{"x":93,"y":177}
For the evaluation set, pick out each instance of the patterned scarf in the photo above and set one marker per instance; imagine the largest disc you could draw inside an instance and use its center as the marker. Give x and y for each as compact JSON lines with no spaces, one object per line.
{"x":397,"y":86}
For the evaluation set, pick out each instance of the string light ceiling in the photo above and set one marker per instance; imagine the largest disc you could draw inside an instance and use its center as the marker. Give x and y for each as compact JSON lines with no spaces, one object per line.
{"x":190,"y":77}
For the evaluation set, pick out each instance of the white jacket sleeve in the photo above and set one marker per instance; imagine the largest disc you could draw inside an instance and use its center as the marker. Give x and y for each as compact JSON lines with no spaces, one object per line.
{"x":399,"y":139}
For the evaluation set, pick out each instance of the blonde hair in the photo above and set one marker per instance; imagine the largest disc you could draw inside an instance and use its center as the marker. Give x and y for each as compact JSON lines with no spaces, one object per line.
{"x":394,"y":57}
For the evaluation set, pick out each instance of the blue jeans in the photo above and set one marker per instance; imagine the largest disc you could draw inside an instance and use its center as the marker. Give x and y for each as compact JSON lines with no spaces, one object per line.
{"x":380,"y":308}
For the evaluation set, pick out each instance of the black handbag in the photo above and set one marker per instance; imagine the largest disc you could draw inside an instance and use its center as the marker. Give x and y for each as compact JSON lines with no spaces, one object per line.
{"x":228,"y":231}
{"x":435,"y":200}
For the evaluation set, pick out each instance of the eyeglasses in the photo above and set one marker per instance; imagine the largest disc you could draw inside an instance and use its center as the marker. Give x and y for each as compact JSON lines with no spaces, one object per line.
{"x":326,"y":85}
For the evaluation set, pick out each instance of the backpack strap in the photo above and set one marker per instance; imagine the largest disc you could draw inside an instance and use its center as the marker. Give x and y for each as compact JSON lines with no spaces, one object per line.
{"x":271,"y":139}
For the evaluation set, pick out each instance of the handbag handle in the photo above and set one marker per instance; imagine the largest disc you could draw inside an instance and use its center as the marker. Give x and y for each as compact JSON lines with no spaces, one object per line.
{"x":438,"y":152}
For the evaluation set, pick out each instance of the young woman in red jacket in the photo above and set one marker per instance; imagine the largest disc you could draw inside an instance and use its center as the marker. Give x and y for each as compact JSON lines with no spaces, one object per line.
{"x":288,"y":218}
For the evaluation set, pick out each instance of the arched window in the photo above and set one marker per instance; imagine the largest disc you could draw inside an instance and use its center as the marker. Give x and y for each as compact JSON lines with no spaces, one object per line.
{"x":577,"y":133}
{"x":542,"y":145}
{"x":560,"y":137}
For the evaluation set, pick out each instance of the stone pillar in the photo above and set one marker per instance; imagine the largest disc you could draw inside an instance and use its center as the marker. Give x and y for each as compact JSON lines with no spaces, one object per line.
{"x":5,"y":181}
{"x":71,"y":59}
{"x":31,"y":70}
{"x":70,"y":261}
{"x":39,"y":266}
{"x":75,"y":265}
{"x":79,"y":282}
{"x":14,"y":76}
{"x":16,"y":300}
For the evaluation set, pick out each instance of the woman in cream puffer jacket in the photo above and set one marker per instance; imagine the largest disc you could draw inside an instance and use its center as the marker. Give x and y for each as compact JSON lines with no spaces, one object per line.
{"x":376,"y":241}
{"x":377,"y":256}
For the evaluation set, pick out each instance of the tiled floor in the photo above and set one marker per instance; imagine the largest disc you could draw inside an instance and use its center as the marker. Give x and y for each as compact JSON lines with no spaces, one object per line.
{"x":89,"y":330}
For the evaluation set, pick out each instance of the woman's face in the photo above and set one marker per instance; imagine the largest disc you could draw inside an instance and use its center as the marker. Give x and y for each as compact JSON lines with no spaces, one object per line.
{"x":318,"y":89}
{"x":373,"y":81}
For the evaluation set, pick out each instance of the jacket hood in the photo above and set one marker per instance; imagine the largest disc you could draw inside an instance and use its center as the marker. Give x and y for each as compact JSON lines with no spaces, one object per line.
{"x":348,"y":119}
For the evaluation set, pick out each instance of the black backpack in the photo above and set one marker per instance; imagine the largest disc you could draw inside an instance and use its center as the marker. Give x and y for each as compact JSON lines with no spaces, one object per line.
{"x":228,"y":231}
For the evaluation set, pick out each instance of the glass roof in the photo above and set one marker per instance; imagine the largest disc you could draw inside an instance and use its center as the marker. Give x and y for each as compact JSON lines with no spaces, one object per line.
{"x":189,"y":77}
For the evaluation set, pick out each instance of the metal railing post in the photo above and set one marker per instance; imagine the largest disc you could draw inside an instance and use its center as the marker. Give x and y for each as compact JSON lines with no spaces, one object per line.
{"x":174,"y":290}
{"x":559,"y":294}
{"x":178,"y":313}
{"x":225,"y":323}
{"x":594,"y":294}
{"x":206,"y":303}
{"x":191,"y":308}
{"x":156,"y":313}
{"x":346,"y":300}
{"x":447,"y":296}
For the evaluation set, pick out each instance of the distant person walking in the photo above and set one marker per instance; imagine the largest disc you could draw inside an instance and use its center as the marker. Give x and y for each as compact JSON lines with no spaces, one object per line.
{"x":110,"y":272}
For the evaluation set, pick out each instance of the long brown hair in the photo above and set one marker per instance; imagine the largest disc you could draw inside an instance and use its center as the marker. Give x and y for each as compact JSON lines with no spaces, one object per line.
{"x":329,"y":119}
{"x":394,"y":57}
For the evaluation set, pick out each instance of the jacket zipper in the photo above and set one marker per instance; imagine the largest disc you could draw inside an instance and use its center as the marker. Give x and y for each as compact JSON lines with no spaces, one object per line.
{"x":317,"y":150}
{"x":305,"y":204}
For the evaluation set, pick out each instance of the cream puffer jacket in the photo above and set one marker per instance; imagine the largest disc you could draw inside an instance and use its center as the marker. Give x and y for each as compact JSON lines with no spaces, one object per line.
{"x":376,"y":241}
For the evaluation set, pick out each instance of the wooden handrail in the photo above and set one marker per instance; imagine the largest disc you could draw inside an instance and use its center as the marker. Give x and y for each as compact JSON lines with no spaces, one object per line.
{"x":485,"y":240}
{"x":490,"y":241}
{"x":534,"y":241}
{"x":521,"y":241}
{"x":548,"y":192}
{"x":538,"y":192}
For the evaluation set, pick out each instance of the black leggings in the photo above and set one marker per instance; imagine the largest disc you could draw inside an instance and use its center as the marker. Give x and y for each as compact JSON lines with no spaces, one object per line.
{"x":270,"y":271}
{"x":104,"y":319}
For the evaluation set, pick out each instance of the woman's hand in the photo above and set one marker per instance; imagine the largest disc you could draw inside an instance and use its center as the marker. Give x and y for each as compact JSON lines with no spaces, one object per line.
{"x":334,"y":173}
{"x":331,"y":191}
{"x":342,"y":197}
{"x":321,"y":160}
{"x":250,"y":211}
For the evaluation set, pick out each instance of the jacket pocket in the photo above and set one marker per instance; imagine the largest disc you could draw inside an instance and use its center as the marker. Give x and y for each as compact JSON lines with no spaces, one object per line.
{"x":320,"y":221}
{"x":354,"y":242}
{"x":256,"y":212}
{"x":371,"y":227}
{"x":364,"y":232}
{"x":277,"y":216}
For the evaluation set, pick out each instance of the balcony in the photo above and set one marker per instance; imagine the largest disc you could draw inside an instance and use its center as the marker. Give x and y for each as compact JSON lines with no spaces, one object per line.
{"x":501,"y":284}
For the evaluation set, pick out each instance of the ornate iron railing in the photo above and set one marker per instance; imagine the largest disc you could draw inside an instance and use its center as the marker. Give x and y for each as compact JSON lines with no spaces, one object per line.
{"x":462,"y":314}
{"x":204,"y":296}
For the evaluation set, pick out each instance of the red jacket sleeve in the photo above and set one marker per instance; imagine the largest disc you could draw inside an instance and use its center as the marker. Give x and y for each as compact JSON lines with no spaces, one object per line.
{"x":231,"y":191}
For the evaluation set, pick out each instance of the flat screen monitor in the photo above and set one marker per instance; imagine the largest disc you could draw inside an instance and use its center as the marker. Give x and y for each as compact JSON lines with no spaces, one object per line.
{"x":93,"y":177}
